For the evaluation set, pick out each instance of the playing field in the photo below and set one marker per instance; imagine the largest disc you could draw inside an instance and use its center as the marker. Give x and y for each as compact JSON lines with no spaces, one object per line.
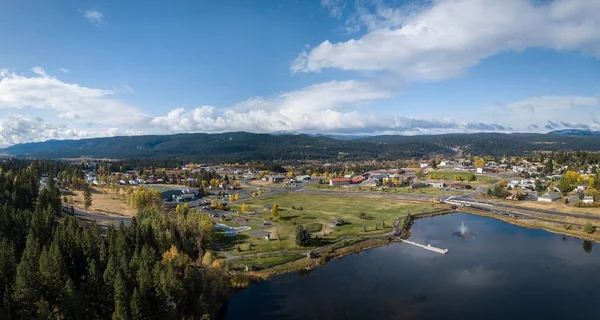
{"x":308,"y":209}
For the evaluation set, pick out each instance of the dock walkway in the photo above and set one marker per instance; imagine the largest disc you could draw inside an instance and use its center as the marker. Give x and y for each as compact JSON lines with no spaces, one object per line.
{"x":427,"y":247}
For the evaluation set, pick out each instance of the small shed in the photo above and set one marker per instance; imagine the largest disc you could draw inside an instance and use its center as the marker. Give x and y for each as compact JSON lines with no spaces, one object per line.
{"x":338,"y":222}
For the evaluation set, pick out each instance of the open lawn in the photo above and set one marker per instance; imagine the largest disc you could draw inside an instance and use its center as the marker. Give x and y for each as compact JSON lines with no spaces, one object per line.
{"x":107,"y":204}
{"x":450,"y":177}
{"x":163,"y":187}
{"x":316,"y":209}
{"x":263,"y":262}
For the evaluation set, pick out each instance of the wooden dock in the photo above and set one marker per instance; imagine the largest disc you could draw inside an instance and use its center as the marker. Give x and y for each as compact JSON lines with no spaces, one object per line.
{"x":427,"y":247}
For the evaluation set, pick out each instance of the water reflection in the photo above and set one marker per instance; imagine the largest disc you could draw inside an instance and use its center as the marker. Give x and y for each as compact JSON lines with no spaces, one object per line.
{"x":587,"y":246}
{"x":507,"y":272}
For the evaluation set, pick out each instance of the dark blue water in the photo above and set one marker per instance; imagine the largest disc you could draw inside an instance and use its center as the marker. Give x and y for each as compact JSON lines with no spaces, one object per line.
{"x":500,"y":272}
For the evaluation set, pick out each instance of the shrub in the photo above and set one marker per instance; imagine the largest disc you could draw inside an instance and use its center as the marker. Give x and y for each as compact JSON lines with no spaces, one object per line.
{"x":314,"y":227}
{"x":588,"y":228}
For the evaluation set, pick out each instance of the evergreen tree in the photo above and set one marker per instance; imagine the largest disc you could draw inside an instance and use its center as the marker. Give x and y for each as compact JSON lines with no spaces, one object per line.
{"x":136,"y":305}
{"x":87,"y":197}
{"x":121,"y":301}
{"x":302,"y":236}
{"x":51,"y":274}
{"x":26,"y":291}
{"x":7,"y":267}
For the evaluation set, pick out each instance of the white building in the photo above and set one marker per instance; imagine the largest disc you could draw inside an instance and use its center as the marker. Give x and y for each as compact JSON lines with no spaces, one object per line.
{"x":424,"y":165}
{"x":588,"y":199}
{"x":549,"y":197}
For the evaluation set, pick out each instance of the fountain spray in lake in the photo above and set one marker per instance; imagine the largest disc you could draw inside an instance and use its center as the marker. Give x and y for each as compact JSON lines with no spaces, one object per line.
{"x":463,"y":232}
{"x":463,"y":228}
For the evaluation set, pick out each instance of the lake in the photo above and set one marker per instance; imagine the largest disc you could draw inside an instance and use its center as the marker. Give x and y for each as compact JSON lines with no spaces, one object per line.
{"x":498,"y":271}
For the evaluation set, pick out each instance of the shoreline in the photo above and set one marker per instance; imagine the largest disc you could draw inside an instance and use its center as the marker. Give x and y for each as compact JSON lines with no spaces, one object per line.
{"x":360,"y":244}
{"x":522,"y":223}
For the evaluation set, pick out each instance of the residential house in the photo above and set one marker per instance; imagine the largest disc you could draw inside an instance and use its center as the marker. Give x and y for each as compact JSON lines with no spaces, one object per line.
{"x":357,"y":179}
{"x":582,"y":187}
{"x":514,"y":183}
{"x":277,"y":178}
{"x":436,"y":184}
{"x":549,"y":197}
{"x":588,"y":200}
{"x":268,"y":207}
{"x":447,"y":163}
{"x":424,"y":165}
{"x":371,"y":182}
{"x":487,"y":170}
{"x":339,"y":181}
{"x":303,"y":178}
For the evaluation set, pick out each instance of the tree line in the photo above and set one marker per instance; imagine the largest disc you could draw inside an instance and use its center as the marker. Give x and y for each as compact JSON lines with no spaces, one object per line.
{"x":55,"y":267}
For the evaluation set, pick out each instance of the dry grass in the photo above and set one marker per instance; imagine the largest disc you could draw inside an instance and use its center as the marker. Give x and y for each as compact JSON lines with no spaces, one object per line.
{"x":558,"y":206}
{"x":102,"y":204}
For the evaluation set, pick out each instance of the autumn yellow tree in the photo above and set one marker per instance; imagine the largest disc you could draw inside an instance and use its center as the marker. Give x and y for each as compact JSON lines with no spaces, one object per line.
{"x":592,"y":182}
{"x":253,"y":194}
{"x":275,"y":211}
{"x":207,"y":259}
{"x":169,"y":255}
{"x":479,"y":162}
{"x":236,"y":197}
{"x":244,"y":208}
{"x":503,"y":183}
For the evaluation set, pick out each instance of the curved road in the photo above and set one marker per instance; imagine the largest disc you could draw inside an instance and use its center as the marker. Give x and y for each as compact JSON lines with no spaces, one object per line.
{"x":100,"y":217}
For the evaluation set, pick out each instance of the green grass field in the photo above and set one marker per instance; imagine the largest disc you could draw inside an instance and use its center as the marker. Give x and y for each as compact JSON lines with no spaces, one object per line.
{"x":265,"y":261}
{"x":159,"y":187}
{"x":317,"y":209}
{"x":451,"y":175}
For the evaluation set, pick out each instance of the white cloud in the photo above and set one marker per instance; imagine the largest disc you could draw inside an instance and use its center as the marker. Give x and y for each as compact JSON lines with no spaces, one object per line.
{"x":324,"y":107}
{"x":18,"y":128}
{"x":335,"y":7}
{"x":545,"y":104}
{"x":64,"y":70}
{"x":546,"y":113}
{"x":441,"y":40}
{"x":94,"y":16}
{"x":39,"y":71}
{"x":67,"y":101}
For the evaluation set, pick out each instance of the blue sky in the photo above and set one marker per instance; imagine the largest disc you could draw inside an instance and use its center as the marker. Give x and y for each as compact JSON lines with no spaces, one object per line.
{"x":76,"y":69}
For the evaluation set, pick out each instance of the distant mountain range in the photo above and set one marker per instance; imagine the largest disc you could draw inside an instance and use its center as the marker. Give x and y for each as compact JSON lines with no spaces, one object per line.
{"x":575,"y":132}
{"x":244,"y":147}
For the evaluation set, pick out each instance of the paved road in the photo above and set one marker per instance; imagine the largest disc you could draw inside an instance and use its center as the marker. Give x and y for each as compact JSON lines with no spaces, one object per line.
{"x":100,"y":217}
{"x":508,"y":207}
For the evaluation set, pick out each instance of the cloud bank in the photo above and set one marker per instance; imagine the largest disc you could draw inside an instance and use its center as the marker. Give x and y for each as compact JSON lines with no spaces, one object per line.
{"x":440,"y":40}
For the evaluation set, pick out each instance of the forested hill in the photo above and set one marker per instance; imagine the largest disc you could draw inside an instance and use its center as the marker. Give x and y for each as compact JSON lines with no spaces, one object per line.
{"x":241,"y":146}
